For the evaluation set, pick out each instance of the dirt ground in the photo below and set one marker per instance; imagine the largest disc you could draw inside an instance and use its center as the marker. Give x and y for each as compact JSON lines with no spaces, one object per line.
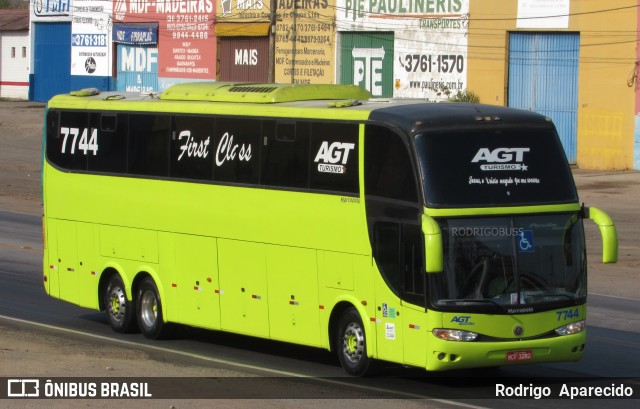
{"x":20,"y":156}
{"x":25,"y":352}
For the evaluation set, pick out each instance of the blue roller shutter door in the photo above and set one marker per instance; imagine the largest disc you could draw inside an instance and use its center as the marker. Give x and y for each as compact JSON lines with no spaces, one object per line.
{"x":52,"y":60}
{"x":543,"y":77}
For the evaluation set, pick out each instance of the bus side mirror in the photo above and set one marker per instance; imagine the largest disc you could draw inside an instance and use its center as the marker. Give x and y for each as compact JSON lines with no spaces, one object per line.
{"x":432,"y":245}
{"x":607,"y":231}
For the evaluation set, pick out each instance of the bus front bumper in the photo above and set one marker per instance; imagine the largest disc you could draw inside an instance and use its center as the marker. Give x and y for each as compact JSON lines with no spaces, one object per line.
{"x":447,"y":355}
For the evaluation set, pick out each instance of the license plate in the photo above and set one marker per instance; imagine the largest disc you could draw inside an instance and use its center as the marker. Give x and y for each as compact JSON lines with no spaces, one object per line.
{"x":519,"y":355}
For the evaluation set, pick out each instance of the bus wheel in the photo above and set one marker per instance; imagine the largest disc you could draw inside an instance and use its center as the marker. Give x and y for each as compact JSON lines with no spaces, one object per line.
{"x":351,"y":344}
{"x":119,"y":310}
{"x":149,"y":310}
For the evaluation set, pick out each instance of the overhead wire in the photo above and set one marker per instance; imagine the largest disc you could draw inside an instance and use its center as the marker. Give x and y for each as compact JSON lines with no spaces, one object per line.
{"x":475,"y":48}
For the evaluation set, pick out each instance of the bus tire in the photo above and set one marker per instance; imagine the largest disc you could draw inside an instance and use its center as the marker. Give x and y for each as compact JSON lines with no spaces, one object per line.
{"x":120,"y":311}
{"x":351,"y":344}
{"x":149,"y":310}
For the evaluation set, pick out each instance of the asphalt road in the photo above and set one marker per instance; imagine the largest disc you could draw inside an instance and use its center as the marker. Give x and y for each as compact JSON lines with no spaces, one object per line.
{"x":613,"y":351}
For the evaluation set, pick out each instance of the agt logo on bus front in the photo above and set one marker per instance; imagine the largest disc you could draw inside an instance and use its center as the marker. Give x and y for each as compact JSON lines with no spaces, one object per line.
{"x":333,"y":158}
{"x":462,"y":320}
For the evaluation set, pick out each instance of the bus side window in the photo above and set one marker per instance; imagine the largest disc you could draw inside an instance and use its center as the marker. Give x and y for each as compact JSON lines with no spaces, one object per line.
{"x":191,"y":147}
{"x":108,"y":152}
{"x":285,"y":154}
{"x":334,"y":157}
{"x":388,"y":171}
{"x":398,"y":253}
{"x":386,"y":252}
{"x":53,"y":137}
{"x":236,"y":150}
{"x":413,"y":275}
{"x":149,"y":137}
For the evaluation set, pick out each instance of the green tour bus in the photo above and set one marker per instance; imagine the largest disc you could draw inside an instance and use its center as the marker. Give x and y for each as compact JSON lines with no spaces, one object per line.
{"x":435,"y":235}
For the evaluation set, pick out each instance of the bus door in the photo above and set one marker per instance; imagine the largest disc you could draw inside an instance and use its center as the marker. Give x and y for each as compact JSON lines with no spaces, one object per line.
{"x":393,"y":214}
{"x":386,"y":253}
{"x":401,"y":318}
{"x":413,"y":291}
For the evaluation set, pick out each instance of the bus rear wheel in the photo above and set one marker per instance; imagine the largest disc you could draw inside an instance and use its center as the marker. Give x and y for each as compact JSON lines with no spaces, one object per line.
{"x":149,"y":310}
{"x":351,"y":344}
{"x":119,"y":310}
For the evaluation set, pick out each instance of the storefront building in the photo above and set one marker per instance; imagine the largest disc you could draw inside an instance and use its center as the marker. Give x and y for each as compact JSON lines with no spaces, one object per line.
{"x":574,"y":61}
{"x":50,"y":72}
{"x":244,"y":43}
{"x":14,"y":54}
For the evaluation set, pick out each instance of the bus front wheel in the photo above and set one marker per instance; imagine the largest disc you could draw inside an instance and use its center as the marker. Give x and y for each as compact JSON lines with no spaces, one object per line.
{"x":351,"y":344}
{"x":119,"y":309}
{"x":149,"y":310}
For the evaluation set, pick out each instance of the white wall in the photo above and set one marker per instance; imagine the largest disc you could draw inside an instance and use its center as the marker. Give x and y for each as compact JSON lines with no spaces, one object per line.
{"x":14,"y":69}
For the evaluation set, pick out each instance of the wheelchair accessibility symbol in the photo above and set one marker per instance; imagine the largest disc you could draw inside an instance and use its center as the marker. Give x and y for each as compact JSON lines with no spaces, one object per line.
{"x":525,"y":241}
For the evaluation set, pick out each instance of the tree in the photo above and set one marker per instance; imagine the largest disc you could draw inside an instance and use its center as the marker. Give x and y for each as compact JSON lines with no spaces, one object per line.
{"x":464,"y":95}
{"x":14,"y":4}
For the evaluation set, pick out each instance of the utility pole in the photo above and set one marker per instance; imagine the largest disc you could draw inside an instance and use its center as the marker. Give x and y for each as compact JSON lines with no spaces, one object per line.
{"x":293,"y":47}
{"x":271,"y":75}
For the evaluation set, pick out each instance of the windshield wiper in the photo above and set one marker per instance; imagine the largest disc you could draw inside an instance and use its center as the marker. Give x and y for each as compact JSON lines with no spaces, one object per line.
{"x":472,"y":301}
{"x":551,"y":295}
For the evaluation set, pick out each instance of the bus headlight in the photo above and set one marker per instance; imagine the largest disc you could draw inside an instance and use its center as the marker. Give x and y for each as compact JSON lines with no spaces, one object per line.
{"x":572,"y":328}
{"x":454,"y":334}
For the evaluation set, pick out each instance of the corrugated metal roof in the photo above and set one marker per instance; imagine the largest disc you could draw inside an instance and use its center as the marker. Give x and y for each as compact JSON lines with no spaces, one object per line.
{"x":14,"y":20}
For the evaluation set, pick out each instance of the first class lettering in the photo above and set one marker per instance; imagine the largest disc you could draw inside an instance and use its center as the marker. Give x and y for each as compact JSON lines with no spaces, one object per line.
{"x":192,"y":147}
{"x":227,"y":150}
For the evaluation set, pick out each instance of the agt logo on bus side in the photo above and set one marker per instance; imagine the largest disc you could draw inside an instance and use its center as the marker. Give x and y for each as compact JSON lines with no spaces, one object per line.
{"x":497,"y":159}
{"x":332,"y":158}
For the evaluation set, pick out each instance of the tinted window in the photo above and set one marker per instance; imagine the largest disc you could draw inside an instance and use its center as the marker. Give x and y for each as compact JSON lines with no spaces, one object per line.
{"x":318,"y":156}
{"x":149,"y":137}
{"x":334,"y":157}
{"x":489,"y":166}
{"x":285,"y":154}
{"x":70,"y":140}
{"x":388,"y":170}
{"x":53,"y":137}
{"x":110,"y":152}
{"x":386,"y":252}
{"x":413,"y":272}
{"x":192,"y":147}
{"x":237,"y":150}
{"x":398,"y":250}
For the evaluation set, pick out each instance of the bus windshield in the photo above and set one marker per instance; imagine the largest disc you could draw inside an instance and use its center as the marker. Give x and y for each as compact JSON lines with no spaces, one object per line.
{"x":491,"y":165}
{"x":511,"y":263}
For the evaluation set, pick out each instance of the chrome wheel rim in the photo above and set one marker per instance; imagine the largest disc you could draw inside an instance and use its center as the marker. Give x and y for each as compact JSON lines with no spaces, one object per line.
{"x":353,"y":342}
{"x":148,"y":309}
{"x":117,"y":304}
